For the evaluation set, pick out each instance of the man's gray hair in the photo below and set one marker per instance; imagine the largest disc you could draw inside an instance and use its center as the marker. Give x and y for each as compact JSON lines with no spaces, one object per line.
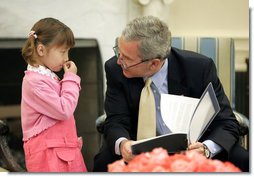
{"x":153,"y":34}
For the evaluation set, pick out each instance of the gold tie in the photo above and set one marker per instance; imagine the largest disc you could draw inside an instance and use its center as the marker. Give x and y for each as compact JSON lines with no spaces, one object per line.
{"x":147,"y":114}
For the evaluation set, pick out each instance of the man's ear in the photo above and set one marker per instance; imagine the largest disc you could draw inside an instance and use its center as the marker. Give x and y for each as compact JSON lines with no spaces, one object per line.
{"x":41,"y":50}
{"x":155,"y":63}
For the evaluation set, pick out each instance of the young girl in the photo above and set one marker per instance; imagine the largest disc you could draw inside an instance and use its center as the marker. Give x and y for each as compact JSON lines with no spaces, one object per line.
{"x":49,"y":131}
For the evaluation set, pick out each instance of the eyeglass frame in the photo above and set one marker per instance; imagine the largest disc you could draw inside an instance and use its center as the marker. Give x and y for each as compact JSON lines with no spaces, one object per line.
{"x":117,"y":54}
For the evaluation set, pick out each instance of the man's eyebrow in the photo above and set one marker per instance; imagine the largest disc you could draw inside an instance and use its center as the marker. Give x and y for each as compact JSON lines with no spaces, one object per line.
{"x":124,"y":54}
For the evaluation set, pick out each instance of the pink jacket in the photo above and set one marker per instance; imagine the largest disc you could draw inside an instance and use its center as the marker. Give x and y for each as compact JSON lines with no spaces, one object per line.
{"x":45,"y":101}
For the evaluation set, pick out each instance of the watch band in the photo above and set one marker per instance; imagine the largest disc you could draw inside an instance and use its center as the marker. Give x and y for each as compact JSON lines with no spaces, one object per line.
{"x":207,"y":152}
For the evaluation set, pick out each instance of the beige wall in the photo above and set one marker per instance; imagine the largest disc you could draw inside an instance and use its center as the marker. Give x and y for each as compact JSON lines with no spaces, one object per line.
{"x":219,"y":18}
{"x":209,"y":17}
{"x":203,"y":18}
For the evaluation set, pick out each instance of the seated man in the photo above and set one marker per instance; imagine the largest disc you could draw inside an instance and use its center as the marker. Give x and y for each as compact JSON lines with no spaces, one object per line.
{"x":144,"y":50}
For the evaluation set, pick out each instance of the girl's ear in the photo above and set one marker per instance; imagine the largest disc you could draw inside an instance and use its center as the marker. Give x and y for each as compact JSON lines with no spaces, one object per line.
{"x":41,"y":50}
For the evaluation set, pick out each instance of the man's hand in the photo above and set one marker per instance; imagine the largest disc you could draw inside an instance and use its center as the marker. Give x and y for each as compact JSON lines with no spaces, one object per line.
{"x":198,"y":147}
{"x":125,"y":149}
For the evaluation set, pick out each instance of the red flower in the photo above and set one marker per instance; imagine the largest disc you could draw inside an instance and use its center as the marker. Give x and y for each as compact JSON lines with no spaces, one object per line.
{"x":117,"y":166}
{"x":158,"y":160}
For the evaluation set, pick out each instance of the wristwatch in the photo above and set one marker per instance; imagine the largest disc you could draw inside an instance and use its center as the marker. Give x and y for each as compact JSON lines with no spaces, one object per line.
{"x":207,"y":153}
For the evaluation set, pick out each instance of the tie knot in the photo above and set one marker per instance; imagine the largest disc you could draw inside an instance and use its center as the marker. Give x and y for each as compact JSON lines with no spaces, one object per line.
{"x":148,"y":81}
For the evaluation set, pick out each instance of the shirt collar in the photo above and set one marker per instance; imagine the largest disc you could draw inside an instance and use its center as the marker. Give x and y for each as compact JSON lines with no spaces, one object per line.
{"x":159,"y":77}
{"x":43,"y":71}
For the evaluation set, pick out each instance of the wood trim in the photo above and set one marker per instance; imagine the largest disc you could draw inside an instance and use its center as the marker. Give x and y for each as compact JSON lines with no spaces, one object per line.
{"x":10,"y":111}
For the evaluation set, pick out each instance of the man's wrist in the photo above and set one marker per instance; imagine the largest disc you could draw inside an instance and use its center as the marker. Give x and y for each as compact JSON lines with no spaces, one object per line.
{"x":121,"y":144}
{"x":117,"y":145}
{"x":207,"y":152}
{"x":213,"y":147}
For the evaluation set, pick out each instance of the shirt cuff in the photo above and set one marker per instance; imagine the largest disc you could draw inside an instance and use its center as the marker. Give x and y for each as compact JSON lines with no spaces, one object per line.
{"x":213,"y":147}
{"x":117,"y":147}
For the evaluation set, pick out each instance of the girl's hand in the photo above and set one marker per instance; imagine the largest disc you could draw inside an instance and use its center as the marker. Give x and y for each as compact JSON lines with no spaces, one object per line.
{"x":70,"y":66}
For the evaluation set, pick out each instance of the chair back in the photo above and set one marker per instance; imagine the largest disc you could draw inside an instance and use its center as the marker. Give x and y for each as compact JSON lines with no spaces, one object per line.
{"x":221,"y":51}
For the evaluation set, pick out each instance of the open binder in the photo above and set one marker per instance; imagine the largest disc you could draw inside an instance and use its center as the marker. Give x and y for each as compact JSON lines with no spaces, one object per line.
{"x":186,"y":117}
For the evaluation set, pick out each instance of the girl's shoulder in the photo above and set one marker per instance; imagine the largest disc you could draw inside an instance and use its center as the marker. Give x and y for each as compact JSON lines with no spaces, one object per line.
{"x":34,"y":78}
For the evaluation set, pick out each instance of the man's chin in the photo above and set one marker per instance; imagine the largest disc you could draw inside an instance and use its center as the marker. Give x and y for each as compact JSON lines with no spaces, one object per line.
{"x":126,"y":74}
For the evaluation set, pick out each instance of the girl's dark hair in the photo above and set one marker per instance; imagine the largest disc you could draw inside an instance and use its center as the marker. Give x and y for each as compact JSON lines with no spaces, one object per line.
{"x":50,"y":32}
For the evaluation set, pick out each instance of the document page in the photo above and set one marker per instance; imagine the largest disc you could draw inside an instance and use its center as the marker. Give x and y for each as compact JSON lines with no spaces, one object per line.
{"x":177,"y":111}
{"x":206,"y":110}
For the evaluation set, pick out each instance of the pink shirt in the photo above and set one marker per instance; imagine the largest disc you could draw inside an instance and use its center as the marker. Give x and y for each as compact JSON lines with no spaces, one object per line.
{"x":46,"y":100}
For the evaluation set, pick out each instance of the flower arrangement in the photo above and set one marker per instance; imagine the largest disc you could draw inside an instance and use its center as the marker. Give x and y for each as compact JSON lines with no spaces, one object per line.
{"x":158,"y":160}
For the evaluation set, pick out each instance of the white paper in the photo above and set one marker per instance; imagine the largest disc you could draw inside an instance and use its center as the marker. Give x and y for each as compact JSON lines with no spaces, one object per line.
{"x":189,"y":115}
{"x":201,"y":118}
{"x":177,"y":111}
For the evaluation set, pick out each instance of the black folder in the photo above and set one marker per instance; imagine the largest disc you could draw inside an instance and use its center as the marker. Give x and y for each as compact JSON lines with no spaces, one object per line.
{"x":173,"y":142}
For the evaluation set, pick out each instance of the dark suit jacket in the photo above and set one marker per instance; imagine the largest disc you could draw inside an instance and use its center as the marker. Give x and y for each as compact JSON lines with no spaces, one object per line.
{"x":188,"y":74}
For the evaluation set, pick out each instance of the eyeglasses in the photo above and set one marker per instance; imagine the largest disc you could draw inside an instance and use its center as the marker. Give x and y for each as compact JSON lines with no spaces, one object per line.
{"x":125,"y":66}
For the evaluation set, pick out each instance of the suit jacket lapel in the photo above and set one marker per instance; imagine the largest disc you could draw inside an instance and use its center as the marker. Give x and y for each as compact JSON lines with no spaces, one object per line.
{"x":176,"y":77}
{"x":135,"y":86}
